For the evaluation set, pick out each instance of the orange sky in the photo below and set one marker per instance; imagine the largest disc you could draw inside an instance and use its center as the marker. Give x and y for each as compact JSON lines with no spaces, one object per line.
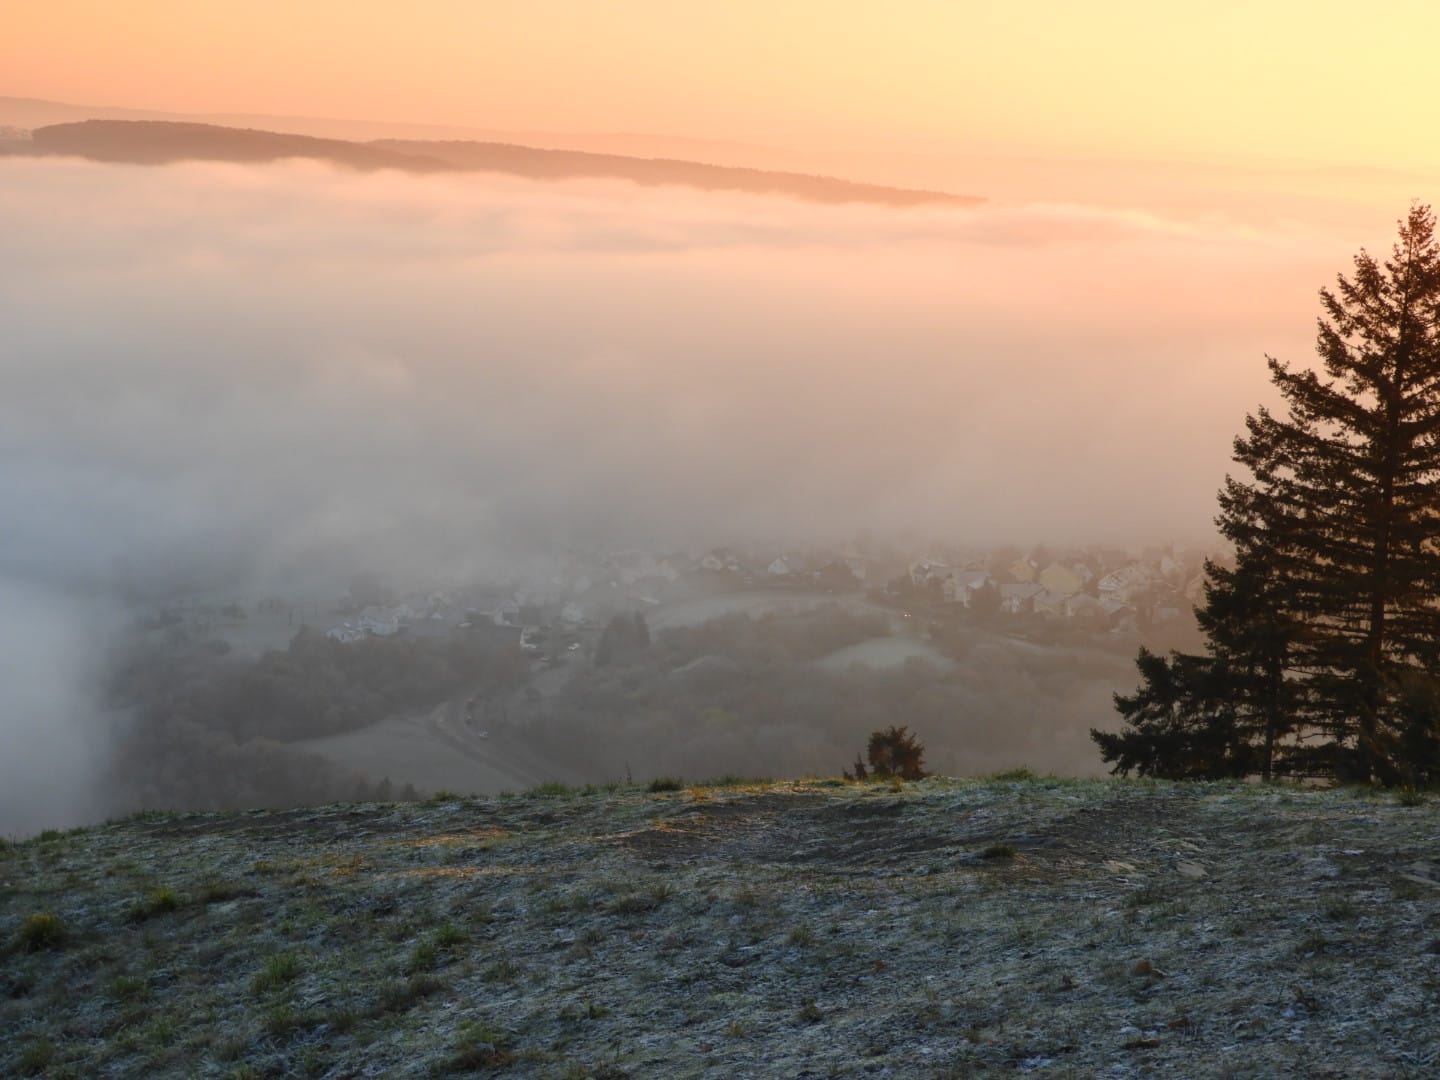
{"x":1295,"y":81}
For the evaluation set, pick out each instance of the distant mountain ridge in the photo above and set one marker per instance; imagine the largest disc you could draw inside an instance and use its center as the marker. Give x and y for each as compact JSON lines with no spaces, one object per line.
{"x":153,"y":142}
{"x":159,"y":142}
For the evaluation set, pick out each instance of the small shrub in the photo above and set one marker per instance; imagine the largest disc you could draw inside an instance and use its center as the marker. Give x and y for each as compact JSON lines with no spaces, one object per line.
{"x":1410,"y":796}
{"x":892,"y":753}
{"x":666,"y":783}
{"x":42,"y":930}
{"x":551,"y":790}
{"x":999,"y":851}
{"x":810,"y":1013}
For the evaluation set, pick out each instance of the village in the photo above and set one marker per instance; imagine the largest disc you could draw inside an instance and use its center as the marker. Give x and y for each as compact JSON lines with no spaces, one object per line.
{"x":1096,"y":590}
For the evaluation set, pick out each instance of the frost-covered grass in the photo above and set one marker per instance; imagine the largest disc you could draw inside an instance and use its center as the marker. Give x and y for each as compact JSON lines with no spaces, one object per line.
{"x":950,"y":928}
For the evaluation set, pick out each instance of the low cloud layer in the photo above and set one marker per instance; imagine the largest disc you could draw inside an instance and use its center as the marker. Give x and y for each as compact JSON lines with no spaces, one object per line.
{"x":213,"y":362}
{"x":243,"y":376}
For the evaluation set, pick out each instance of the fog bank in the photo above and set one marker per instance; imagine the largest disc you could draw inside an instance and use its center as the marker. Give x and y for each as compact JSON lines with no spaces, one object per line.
{"x":222,"y":376}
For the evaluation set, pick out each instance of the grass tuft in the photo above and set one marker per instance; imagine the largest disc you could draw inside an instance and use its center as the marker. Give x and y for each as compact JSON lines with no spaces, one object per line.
{"x":732,"y":780}
{"x":999,"y":851}
{"x":280,"y":970}
{"x":41,"y":931}
{"x":158,"y":901}
{"x":36,"y":1058}
{"x":1017,"y":775}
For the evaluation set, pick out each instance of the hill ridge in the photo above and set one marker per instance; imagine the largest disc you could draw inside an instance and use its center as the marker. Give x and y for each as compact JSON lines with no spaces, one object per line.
{"x":152,"y":142}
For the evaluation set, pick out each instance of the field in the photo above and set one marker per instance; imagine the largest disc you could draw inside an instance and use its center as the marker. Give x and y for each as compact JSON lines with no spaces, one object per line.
{"x":885,"y":652}
{"x":948,"y":928}
{"x":437,"y":751}
{"x":755,"y":604}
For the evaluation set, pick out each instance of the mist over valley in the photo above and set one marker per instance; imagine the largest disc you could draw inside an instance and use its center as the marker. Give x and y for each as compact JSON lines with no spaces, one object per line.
{"x":235,"y":389}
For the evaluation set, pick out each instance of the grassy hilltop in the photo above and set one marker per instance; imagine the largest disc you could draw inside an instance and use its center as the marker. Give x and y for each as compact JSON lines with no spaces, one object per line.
{"x":814,"y":928}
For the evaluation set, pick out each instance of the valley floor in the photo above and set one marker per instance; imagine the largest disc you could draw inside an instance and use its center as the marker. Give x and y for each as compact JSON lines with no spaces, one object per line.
{"x":949,"y":928}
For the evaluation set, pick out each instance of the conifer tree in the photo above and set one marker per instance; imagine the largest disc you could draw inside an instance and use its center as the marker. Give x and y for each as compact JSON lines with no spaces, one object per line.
{"x":1323,"y":635}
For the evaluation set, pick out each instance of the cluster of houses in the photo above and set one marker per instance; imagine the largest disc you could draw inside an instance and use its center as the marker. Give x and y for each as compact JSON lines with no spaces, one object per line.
{"x":1116,"y":590}
{"x":431,"y":612}
{"x":1096,"y":586}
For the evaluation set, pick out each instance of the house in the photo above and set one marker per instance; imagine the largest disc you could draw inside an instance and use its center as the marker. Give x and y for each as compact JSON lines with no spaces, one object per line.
{"x":379,"y":621}
{"x":1050,"y":603}
{"x":962,"y":585}
{"x":1021,"y":570}
{"x":1057,"y":577}
{"x":1125,"y":583}
{"x":1019,"y":599}
{"x":720,"y":559}
{"x":925,"y":571}
{"x":1083,"y":606}
{"x":780,"y":567}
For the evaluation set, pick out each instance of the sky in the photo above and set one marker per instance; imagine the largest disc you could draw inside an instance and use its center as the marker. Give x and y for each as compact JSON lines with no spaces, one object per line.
{"x":1307,"y":82}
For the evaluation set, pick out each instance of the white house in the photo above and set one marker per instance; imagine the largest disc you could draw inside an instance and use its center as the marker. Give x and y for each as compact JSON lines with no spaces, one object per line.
{"x":1124,"y":583}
